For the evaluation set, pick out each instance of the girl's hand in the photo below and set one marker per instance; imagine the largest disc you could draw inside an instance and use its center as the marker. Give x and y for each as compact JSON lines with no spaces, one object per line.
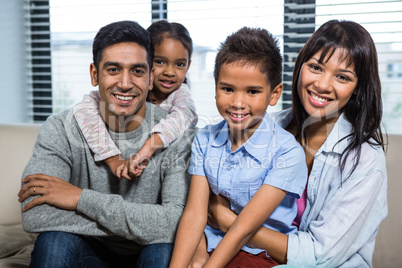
{"x":115,"y":164}
{"x":134,"y":166}
{"x":219,"y":214}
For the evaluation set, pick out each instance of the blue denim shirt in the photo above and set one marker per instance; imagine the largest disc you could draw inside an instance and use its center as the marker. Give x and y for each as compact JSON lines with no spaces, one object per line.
{"x":270,"y":156}
{"x":343,"y":210}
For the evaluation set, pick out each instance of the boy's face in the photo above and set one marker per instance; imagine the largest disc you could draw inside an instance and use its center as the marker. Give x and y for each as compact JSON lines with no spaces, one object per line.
{"x":242,"y":97}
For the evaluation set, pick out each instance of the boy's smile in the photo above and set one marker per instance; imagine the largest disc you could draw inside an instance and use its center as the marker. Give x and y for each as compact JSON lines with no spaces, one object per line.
{"x":242,"y":98}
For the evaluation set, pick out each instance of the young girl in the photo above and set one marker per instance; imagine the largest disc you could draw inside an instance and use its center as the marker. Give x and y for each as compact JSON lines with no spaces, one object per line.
{"x":336,"y":116}
{"x":173,"y":48}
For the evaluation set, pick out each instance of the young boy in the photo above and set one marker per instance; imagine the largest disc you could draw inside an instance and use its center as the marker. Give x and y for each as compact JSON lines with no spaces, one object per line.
{"x":258,"y":166}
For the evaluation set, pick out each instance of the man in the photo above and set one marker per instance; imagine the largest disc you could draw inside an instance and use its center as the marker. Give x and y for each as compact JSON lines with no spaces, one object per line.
{"x":85,"y":215}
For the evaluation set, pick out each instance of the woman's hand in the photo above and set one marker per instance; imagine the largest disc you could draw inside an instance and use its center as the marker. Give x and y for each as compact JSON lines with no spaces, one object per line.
{"x":219,"y":214}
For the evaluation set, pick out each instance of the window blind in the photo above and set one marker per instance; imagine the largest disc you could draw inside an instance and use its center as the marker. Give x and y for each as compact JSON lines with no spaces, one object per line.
{"x":74,"y":23}
{"x":40,"y":78}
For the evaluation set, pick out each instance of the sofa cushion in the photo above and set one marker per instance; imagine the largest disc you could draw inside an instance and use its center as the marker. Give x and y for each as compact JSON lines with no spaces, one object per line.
{"x":14,"y":240}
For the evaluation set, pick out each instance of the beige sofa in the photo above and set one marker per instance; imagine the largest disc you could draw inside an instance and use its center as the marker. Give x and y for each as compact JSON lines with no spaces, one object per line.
{"x":16,"y":142}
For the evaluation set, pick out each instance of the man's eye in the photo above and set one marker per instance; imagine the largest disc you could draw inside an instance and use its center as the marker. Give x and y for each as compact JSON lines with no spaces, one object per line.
{"x":227,"y":89}
{"x":138,"y":71}
{"x":112,"y":69}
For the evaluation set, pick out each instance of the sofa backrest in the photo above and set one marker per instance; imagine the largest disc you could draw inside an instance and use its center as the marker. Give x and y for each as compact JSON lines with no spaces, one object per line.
{"x":16,"y":143}
{"x":388,"y":244}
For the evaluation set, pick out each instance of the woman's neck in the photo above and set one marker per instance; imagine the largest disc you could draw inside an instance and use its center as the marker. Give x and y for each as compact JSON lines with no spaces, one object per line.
{"x":313,"y":135}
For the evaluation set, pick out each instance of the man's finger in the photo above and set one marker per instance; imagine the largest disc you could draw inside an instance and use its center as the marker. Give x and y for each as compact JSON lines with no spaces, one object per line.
{"x":35,"y":202}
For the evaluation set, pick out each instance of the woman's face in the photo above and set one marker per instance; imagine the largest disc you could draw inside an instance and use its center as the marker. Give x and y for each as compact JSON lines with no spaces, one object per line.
{"x":325,"y":87}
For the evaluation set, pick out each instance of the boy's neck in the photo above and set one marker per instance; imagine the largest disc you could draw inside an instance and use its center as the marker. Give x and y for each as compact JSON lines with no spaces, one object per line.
{"x":238,"y":139}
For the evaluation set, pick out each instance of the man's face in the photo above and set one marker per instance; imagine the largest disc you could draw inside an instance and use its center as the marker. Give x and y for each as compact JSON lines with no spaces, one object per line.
{"x":124,"y":80}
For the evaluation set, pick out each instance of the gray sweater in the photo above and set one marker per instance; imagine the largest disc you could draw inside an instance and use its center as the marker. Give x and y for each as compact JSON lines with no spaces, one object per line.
{"x":123,"y":214}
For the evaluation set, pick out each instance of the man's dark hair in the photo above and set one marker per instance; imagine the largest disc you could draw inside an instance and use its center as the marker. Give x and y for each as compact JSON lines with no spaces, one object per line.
{"x":120,"y":32}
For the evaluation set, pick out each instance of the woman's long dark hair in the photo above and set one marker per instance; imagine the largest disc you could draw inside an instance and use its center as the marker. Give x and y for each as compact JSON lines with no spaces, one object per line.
{"x":364,"y":109}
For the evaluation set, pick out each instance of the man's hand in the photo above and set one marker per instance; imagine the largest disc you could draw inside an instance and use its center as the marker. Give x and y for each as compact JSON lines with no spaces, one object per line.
{"x":50,"y":190}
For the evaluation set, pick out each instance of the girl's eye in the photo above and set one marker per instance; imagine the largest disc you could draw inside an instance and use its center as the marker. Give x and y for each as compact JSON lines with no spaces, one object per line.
{"x":158,"y":61}
{"x":181,"y":64}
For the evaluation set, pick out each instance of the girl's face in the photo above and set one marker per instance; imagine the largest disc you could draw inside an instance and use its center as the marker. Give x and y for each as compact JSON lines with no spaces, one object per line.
{"x":171,"y":62}
{"x":325,"y":87}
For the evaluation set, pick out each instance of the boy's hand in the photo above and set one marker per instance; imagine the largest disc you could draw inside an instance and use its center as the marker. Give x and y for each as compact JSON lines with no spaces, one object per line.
{"x":201,"y":255}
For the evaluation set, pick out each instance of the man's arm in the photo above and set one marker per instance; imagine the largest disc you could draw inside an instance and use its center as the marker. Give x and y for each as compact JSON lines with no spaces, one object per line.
{"x":52,"y":157}
{"x":146,"y":223}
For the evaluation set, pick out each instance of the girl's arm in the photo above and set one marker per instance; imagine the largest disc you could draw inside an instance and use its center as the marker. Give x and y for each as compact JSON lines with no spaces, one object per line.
{"x":192,"y":223}
{"x":221,"y":217}
{"x":94,"y":130}
{"x":181,"y":117}
{"x":250,"y":219}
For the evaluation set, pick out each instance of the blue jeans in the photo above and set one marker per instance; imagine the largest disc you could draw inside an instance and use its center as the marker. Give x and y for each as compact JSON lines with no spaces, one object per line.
{"x":60,"y":249}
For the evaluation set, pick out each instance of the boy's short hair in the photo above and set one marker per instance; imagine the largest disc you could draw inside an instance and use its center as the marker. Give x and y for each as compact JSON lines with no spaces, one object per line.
{"x":253,"y":46}
{"x":120,"y":32}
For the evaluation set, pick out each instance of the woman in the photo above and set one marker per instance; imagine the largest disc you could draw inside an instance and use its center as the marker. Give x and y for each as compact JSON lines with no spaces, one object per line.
{"x":336,"y":117}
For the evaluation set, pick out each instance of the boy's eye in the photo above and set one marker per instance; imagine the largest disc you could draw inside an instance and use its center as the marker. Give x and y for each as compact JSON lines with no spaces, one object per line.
{"x":159,"y":62}
{"x":227,"y":89}
{"x":253,"y":91}
{"x":181,"y":64}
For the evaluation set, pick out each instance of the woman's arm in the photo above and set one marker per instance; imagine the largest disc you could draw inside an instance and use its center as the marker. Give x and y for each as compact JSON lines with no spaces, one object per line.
{"x":192,"y":222}
{"x":250,"y":219}
{"x":221,"y":217}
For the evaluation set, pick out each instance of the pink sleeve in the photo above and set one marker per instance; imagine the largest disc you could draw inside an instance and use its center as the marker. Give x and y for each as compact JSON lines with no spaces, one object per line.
{"x":181,"y":117}
{"x":93,"y":127}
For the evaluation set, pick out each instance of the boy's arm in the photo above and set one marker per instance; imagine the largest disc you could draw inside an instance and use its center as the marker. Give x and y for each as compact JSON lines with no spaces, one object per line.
{"x":201,"y":255}
{"x":250,"y":219}
{"x":93,"y":127}
{"x":221,"y":217}
{"x":182,"y":116}
{"x":192,"y":223}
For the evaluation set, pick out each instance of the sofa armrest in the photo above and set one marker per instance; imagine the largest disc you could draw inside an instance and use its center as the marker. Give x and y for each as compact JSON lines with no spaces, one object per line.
{"x":16,"y":145}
